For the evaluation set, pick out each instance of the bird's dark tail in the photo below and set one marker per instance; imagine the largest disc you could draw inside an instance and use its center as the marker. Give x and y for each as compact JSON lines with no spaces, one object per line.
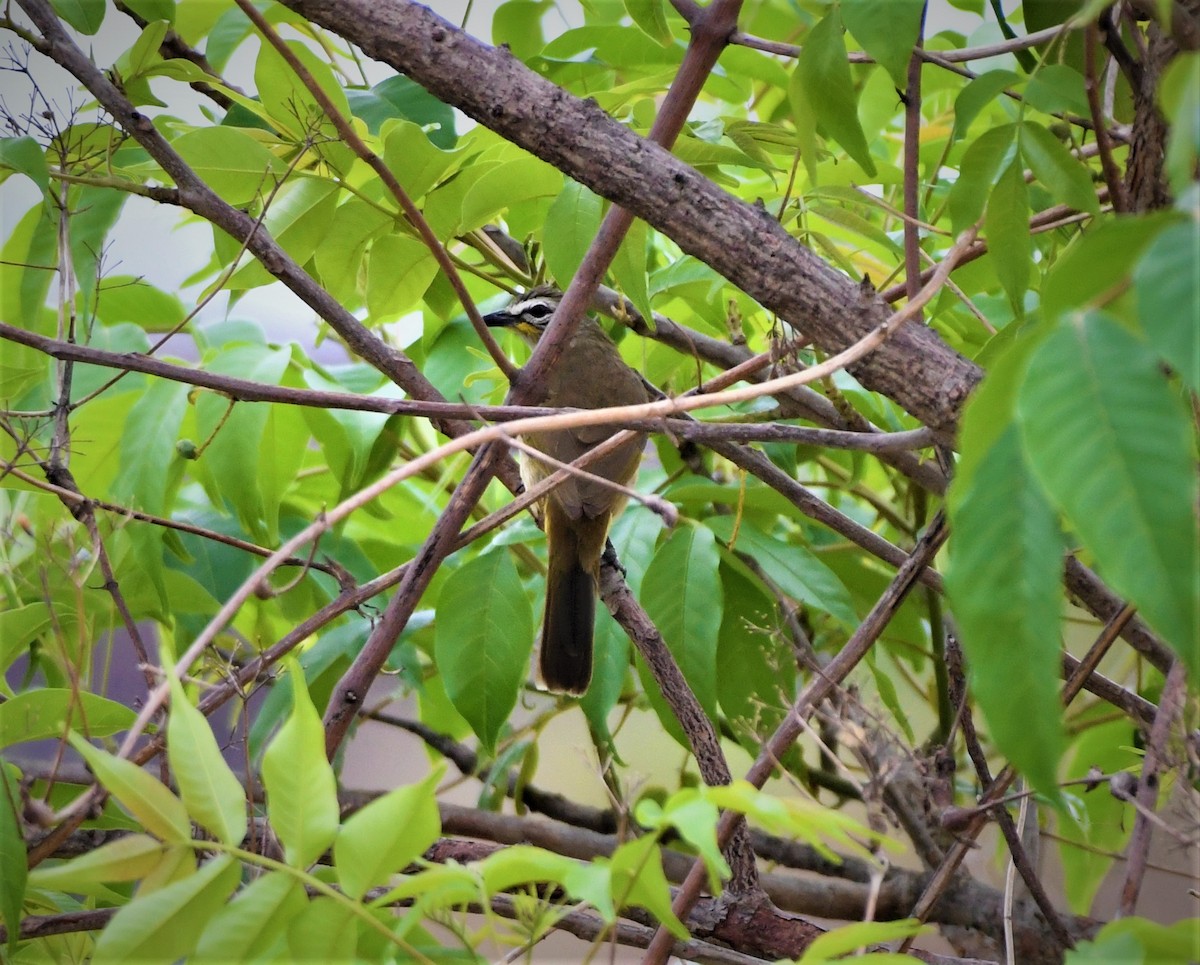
{"x":567,"y":628}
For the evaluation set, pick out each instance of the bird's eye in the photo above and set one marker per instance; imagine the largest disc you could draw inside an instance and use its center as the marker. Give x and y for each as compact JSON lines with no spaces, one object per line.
{"x":539,"y":310}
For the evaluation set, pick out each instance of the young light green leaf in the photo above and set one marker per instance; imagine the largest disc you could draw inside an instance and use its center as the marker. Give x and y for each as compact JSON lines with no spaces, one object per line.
{"x":399,"y":270}
{"x":301,"y":790}
{"x":1007,"y":227}
{"x":14,"y":871}
{"x":842,"y":941}
{"x":126,"y":859}
{"x":824,"y":71}
{"x":50,"y":711}
{"x":326,"y":932}
{"x":25,"y":156}
{"x":211,"y":793}
{"x":1167,"y":283}
{"x":695,"y":819}
{"x":1112,"y":445}
{"x":165,"y":925}
{"x":145,"y":797}
{"x":387,"y":835}
{"x":682,"y":594}
{"x":230,"y":161}
{"x":571,"y":224}
{"x":521,"y":864}
{"x":248,"y":926}
{"x":651,"y":17}
{"x":638,"y":879}
{"x":483,"y":640}
{"x":887,"y":30}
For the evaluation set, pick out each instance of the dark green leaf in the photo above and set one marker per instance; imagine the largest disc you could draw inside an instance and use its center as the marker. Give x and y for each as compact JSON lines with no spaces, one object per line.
{"x":484,"y":636}
{"x":824,"y":72}
{"x":1056,"y":88}
{"x":976,"y":95}
{"x":1007,"y":227}
{"x":1167,"y":283}
{"x":401,"y":97}
{"x":1067,"y":178}
{"x":682,"y":594}
{"x":1112,"y":445}
{"x":981,"y":165}
{"x":84,"y":15}
{"x":13,"y":867}
{"x":887,"y":30}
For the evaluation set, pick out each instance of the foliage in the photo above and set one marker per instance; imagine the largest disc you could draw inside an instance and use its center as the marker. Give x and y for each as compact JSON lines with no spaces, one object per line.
{"x":137,"y":501}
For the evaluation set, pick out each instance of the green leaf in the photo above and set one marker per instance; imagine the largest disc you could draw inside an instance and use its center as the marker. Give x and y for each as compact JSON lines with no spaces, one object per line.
{"x":326,"y":932}
{"x":1167,"y":283}
{"x":165,"y":925}
{"x":144,"y":52}
{"x":301,"y":790}
{"x":130,"y":858}
{"x":1068,"y":179}
{"x":1097,"y":262}
{"x":824,"y":72}
{"x":521,"y":864}
{"x":14,"y":870}
{"x":231,"y":162}
{"x":794,"y":568}
{"x":695,"y":818}
{"x":638,"y":879}
{"x":246,"y":928}
{"x":387,"y":835}
{"x":84,"y":15}
{"x":145,"y":797}
{"x":518,"y":23}
{"x":401,"y":97}
{"x":483,"y":640}
{"x":1009,"y":242}
{"x":399,"y":270}
{"x":682,"y":595}
{"x":976,"y":95}
{"x":148,"y":446}
{"x":756,"y":669}
{"x":651,"y":17}
{"x":981,"y":164}
{"x":1056,"y":88}
{"x":1112,"y":445}
{"x":213,"y":796}
{"x":298,"y":219}
{"x":571,"y":224}
{"x":848,"y":938}
{"x":51,"y":712}
{"x":94,"y":212}
{"x":629,"y":268}
{"x":1179,"y":98}
{"x":414,"y":158}
{"x":24,"y":155}
{"x":292,"y":108}
{"x":1129,"y":940}
{"x":505,"y":185}
{"x":887,"y":30}
{"x":1004,"y":587}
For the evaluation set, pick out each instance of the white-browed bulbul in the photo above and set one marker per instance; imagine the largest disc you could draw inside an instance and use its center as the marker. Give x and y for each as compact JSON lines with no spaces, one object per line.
{"x":590,"y":374}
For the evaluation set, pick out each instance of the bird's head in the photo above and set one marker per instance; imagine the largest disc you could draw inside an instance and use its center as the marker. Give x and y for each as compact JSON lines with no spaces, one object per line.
{"x":528,"y":314}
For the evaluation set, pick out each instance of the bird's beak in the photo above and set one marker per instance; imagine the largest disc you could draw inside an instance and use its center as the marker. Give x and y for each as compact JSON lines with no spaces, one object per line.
{"x":501,"y":319}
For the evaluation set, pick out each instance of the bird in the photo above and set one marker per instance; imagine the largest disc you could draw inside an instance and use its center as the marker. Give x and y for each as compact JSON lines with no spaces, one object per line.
{"x":590,"y":374}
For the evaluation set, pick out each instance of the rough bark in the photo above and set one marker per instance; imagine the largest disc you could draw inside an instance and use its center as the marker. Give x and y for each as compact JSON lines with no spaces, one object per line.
{"x":741,"y":241}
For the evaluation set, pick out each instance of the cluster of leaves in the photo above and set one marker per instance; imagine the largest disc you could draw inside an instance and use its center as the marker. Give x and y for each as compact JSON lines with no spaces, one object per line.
{"x":1080,"y":438}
